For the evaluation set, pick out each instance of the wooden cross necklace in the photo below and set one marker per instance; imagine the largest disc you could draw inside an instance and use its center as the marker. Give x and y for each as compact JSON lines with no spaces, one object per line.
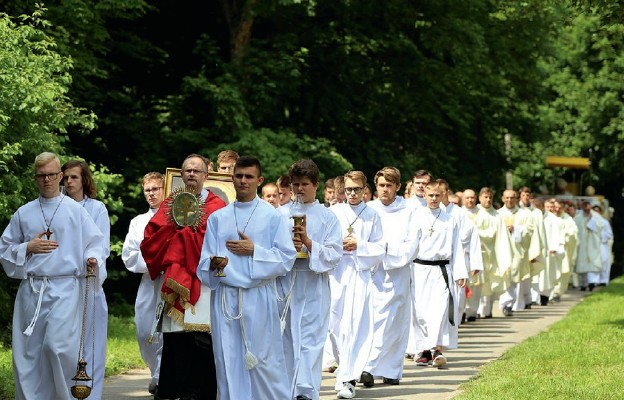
{"x":350,"y":228}
{"x":434,"y":221}
{"x":48,"y":232}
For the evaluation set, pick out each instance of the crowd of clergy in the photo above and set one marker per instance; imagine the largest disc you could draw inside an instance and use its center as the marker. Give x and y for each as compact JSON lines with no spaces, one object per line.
{"x":381,"y":276}
{"x":267,"y":291}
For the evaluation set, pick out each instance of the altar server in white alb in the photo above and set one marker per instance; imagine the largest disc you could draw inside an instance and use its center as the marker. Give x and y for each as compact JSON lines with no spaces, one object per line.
{"x":590,"y":234}
{"x":47,"y":245}
{"x":304,"y":292}
{"x":80,"y":186}
{"x":469,"y":237}
{"x":439,"y":271}
{"x":351,"y":319}
{"x":391,"y":281}
{"x":148,"y":295}
{"x":255,"y":242}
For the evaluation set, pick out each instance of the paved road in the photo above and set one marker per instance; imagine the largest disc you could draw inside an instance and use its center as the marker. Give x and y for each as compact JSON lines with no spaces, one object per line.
{"x":479,"y":342}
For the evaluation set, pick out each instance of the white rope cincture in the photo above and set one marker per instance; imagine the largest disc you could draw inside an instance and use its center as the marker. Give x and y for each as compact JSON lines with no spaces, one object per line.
{"x":250,"y":359}
{"x":44,"y":282}
{"x":287,"y":297}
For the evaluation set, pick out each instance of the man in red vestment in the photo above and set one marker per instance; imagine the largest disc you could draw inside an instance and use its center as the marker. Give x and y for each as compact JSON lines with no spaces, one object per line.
{"x":171,"y":252}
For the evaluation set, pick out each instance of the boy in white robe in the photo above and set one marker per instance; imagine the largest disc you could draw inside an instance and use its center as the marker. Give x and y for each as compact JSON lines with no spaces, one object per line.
{"x":391,"y":280}
{"x":47,"y":245}
{"x":351,"y":319}
{"x":254,"y":240}
{"x":439,"y":271}
{"x":148,"y":294}
{"x":304,"y":292}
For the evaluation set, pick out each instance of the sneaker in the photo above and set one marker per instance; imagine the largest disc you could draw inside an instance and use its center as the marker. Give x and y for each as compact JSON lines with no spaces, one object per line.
{"x":507,"y":312}
{"x":367,"y":379}
{"x":424,"y":358}
{"x":438,"y":359}
{"x":347,"y":391}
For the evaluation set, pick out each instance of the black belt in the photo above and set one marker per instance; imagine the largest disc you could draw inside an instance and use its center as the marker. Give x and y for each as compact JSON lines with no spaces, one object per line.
{"x":442,"y":264}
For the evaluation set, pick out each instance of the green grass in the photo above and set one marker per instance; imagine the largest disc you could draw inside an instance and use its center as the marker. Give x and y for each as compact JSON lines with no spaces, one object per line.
{"x":579,"y":357}
{"x":122,"y":354}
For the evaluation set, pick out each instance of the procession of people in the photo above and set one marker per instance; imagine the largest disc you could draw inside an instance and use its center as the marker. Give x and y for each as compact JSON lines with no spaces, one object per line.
{"x":256,"y":298}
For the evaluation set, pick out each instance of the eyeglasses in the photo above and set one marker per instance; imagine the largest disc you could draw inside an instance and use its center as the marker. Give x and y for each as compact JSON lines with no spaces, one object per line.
{"x":356,"y":190}
{"x":152,"y":190}
{"x":51,"y":176}
{"x":193,"y":171}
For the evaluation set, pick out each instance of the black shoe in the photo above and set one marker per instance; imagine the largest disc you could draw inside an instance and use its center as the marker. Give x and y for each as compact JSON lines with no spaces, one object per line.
{"x":390,"y":381}
{"x":471,"y":319}
{"x":303,"y":397}
{"x":527,"y":306}
{"x":463,"y":320}
{"x":583,"y":288}
{"x":544,"y":300}
{"x":507,"y":311}
{"x":488,"y":316}
{"x":591,"y":287}
{"x":367,"y":379}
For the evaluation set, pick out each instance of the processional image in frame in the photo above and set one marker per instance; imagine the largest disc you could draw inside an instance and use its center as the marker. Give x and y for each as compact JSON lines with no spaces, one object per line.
{"x":218,"y":183}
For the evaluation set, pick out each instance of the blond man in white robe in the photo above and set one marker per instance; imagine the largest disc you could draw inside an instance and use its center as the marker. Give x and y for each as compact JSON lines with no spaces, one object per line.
{"x":570,"y":233}
{"x":391,"y":280}
{"x":589,"y":261}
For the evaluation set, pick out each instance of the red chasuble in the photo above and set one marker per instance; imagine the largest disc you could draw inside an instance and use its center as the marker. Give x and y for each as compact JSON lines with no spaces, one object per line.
{"x":175,"y":252}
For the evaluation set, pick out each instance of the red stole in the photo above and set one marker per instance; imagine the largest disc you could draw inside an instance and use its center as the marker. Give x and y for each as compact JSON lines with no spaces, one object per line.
{"x":175,"y":252}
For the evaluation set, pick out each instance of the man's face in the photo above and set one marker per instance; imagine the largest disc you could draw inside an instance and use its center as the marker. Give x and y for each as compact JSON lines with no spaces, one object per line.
{"x":470,"y":199}
{"x":586,"y":208}
{"x":194,"y":173}
{"x":153,"y":192}
{"x":47,"y":178}
{"x":571,"y":211}
{"x":271,"y":195}
{"x":367,"y":194}
{"x":72,"y":179}
{"x":386,"y":190}
{"x":246,"y":181}
{"x":433,"y":197}
{"x":509,"y":198}
{"x":557,"y":209}
{"x":227,"y":166}
{"x":418,"y":188}
{"x":354,"y":190}
{"x":285,"y":195}
{"x":485,"y":199}
{"x":328,"y":195}
{"x":303,"y":186}
{"x":444,"y":193}
{"x":548,"y":206}
{"x":525,"y":198}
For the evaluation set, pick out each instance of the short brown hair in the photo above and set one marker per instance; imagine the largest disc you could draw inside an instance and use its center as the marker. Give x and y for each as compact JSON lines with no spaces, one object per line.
{"x":390,"y":174}
{"x":227,"y":155}
{"x":356,"y":176}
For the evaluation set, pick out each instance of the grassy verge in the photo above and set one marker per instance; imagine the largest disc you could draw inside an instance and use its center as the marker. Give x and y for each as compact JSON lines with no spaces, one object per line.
{"x":579,"y":357}
{"x":122,"y":354}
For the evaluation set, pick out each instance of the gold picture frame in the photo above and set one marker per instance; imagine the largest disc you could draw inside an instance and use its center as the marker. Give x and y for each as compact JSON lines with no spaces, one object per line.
{"x":218,"y":183}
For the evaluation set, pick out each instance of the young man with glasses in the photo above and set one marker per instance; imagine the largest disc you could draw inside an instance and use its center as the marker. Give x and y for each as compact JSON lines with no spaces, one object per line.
{"x":148,"y":295}
{"x":172,"y":249}
{"x":351,"y":318}
{"x":48,"y":245}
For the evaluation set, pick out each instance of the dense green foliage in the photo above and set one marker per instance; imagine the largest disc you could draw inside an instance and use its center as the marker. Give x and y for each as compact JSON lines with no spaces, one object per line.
{"x":133,"y":86}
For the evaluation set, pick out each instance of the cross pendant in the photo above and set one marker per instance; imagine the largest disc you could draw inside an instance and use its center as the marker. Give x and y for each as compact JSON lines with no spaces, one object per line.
{"x":48,"y":233}
{"x":349,"y":230}
{"x":430,"y":231}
